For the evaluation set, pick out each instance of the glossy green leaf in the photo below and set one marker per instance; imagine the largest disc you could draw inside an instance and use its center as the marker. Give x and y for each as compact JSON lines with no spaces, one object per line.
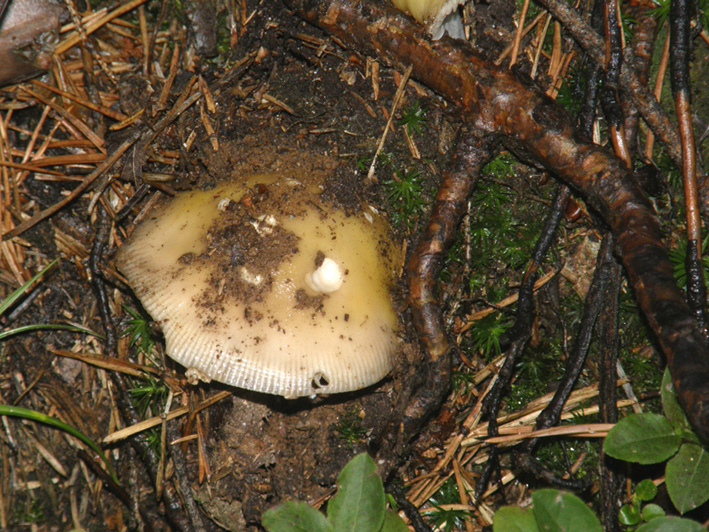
{"x":652,"y":511}
{"x":359,"y":503}
{"x":629,"y":515}
{"x":514,"y":519}
{"x":294,"y":516}
{"x":671,"y":524}
{"x":393,"y":523}
{"x":558,"y":511}
{"x":670,"y":406}
{"x":687,"y":477}
{"x":646,"y":490}
{"x":642,"y":438}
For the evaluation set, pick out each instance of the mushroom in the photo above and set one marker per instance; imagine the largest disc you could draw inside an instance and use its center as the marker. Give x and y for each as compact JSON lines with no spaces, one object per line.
{"x":262,"y":285}
{"x":439,"y":16}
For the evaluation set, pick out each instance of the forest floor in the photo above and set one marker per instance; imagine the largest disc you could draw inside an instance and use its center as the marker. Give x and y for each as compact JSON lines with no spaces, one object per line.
{"x":113,"y":129}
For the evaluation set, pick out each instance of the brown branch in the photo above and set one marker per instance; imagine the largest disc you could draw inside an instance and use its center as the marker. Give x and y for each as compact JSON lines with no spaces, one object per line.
{"x":633,"y":87}
{"x":611,"y":480}
{"x":496,"y":102}
{"x":448,"y":209}
{"x":609,"y":93}
{"x":679,"y":69}
{"x":457,"y":182}
{"x":643,"y":46}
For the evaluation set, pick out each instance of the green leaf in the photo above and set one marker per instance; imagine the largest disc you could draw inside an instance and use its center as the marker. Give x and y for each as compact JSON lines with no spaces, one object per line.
{"x":687,"y":477}
{"x":671,"y":524}
{"x":558,"y":511}
{"x":642,"y":438}
{"x":646,"y":490}
{"x":359,"y":503}
{"x":514,"y":519}
{"x":629,"y":515}
{"x":670,"y":405}
{"x":295,"y":516}
{"x":652,"y":511}
{"x":393,"y":523}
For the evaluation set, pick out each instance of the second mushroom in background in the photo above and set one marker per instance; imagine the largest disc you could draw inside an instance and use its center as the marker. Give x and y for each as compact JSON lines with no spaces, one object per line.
{"x":439,"y":16}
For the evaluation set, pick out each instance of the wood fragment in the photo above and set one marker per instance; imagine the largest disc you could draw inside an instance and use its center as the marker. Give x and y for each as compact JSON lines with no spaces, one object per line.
{"x":207,"y":93}
{"x":128,"y":121}
{"x":157,"y":420}
{"x":214,"y":141}
{"x":167,"y":86}
{"x":91,"y":26}
{"x":105,"y":165}
{"x":394,"y":105}
{"x":375,"y":77}
{"x":278,"y":103}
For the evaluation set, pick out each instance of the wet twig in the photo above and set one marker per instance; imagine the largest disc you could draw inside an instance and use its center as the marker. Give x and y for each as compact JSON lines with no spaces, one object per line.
{"x":679,"y":70}
{"x":432,"y":384}
{"x":128,"y":501}
{"x":634,"y":88}
{"x":182,"y":479}
{"x":607,"y":330}
{"x":96,"y":261}
{"x":521,"y":331}
{"x":609,"y":92}
{"x":575,"y":363}
{"x":409,"y":509}
{"x":173,"y":504}
{"x":642,"y":46}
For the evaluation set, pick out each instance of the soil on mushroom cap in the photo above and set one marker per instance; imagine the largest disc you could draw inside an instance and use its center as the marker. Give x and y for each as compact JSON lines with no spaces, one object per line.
{"x":243,"y":238}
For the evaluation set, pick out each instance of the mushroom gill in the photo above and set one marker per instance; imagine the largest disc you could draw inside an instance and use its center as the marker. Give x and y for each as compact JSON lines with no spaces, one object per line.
{"x":261,"y":285}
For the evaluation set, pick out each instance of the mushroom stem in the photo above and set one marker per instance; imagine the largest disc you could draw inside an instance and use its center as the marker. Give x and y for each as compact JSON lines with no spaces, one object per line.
{"x":326,"y":279}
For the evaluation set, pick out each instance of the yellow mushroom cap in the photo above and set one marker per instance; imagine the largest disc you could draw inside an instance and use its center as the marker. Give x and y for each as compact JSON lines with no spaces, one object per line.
{"x":430,"y":13}
{"x":261,"y":285}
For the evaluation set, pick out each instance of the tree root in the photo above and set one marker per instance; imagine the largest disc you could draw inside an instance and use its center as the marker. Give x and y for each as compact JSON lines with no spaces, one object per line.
{"x":497,"y":103}
{"x":429,"y":387}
